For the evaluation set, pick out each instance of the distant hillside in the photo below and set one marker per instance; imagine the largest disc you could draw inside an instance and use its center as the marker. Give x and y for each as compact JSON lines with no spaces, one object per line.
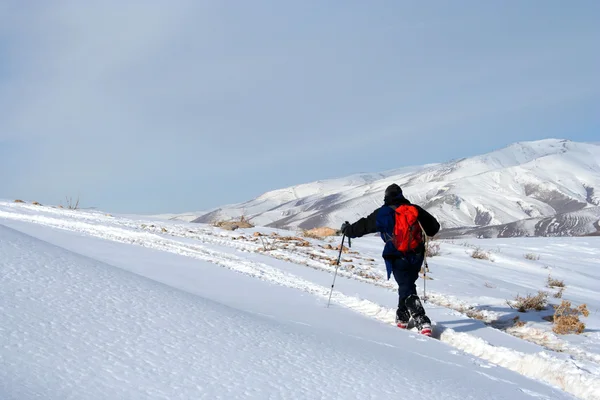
{"x":526,"y":182}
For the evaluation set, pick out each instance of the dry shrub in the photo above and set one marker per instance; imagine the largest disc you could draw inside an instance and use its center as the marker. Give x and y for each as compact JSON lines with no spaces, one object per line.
{"x":319,"y":233}
{"x":558,"y":295}
{"x":72,"y":205}
{"x":298,"y":241}
{"x":344,"y":249}
{"x":36,"y":203}
{"x":433,"y":249}
{"x":537,"y":302}
{"x":233,"y":225}
{"x":489,"y":285}
{"x":471,"y":312}
{"x":480,"y":254}
{"x":517,"y":322}
{"x":475,"y":314}
{"x":366,"y":275}
{"x":532,"y":257}
{"x":19,"y":201}
{"x":555,"y":282}
{"x":566,"y":318}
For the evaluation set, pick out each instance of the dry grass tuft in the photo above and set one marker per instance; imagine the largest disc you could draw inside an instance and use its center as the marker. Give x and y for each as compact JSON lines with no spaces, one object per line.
{"x":537,"y":302}
{"x":517,"y":322}
{"x":559,"y":294}
{"x":471,"y":312}
{"x":35,"y":203}
{"x":319,"y":233}
{"x":480,"y":254}
{"x":298,"y":241}
{"x":71,"y":205}
{"x":344,"y":249}
{"x":566,"y":318}
{"x":489,"y":285}
{"x":532,"y":257}
{"x":233,"y":225}
{"x":555,"y":282}
{"x":367,"y":275}
{"x":19,"y":201}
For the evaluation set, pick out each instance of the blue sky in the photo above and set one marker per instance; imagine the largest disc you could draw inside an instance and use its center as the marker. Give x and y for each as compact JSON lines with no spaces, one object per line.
{"x":155,"y":106}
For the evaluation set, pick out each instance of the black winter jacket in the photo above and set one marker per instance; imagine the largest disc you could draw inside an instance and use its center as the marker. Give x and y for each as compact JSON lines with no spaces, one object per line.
{"x":365,"y":226}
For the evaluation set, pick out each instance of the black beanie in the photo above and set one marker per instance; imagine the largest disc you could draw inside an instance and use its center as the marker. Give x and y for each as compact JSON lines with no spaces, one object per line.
{"x":393,"y":191}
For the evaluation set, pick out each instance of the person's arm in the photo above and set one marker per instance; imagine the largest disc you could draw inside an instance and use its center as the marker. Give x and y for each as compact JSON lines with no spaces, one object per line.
{"x":363,"y":226}
{"x":430,"y":224}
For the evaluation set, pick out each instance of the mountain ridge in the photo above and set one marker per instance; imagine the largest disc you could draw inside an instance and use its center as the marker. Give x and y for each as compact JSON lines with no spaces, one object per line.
{"x":525,"y":180}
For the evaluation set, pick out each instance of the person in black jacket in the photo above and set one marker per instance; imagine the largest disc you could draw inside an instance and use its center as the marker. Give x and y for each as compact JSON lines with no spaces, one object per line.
{"x":404,"y":266}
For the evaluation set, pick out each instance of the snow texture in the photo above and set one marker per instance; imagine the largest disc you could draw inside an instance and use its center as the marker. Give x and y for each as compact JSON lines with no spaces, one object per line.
{"x":100,"y":306}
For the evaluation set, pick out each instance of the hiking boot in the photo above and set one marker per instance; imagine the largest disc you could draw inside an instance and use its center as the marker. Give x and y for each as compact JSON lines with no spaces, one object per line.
{"x":402,"y":317}
{"x":423,"y":324}
{"x":422,"y":321}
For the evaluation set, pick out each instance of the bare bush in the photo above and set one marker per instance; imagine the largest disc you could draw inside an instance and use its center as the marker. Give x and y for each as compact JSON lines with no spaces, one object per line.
{"x":267,"y":245}
{"x":559,"y":294}
{"x":19,"y":201}
{"x":532,"y":257}
{"x":232,"y":225}
{"x":531,"y":302}
{"x":70,"y":204}
{"x":480,"y":254}
{"x":516,"y":322}
{"x":555,"y":282}
{"x":433,"y":249}
{"x":566,"y":318}
{"x":319,"y":233}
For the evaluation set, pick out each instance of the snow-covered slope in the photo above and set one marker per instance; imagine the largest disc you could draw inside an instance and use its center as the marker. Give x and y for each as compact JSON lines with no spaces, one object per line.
{"x":149,"y":316}
{"x":101,"y":306}
{"x":525,"y":180}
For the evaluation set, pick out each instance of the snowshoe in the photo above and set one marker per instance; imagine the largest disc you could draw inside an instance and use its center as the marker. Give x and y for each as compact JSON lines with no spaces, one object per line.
{"x":426,"y":330}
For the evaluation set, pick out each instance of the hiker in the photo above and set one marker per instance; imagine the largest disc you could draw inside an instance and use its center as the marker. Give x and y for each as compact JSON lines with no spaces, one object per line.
{"x":404,"y":250}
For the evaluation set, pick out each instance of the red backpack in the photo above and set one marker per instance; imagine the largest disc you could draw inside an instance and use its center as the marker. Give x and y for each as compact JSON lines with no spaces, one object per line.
{"x":407,"y":235}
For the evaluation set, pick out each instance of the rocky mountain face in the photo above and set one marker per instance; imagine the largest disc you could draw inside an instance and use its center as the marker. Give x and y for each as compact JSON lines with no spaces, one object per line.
{"x":542,"y":188}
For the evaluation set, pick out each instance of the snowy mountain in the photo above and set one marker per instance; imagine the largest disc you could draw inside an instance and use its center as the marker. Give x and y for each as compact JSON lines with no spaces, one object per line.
{"x":524,"y":181}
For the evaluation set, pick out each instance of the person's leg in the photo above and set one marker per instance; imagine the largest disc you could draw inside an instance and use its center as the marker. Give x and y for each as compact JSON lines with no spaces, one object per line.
{"x":403,"y":278}
{"x":413,"y":302}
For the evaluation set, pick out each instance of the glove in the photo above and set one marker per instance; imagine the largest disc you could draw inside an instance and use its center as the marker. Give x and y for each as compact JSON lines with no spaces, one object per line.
{"x":345,"y":226}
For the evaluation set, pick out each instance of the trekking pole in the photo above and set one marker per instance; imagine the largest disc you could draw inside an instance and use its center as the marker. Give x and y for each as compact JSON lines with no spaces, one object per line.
{"x":425,"y":264}
{"x":425,"y":282}
{"x":336,"y":268}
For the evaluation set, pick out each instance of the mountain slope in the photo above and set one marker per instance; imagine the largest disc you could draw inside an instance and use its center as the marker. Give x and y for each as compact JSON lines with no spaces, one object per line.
{"x":77,"y":324}
{"x":577,"y":223}
{"x":525,"y":180}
